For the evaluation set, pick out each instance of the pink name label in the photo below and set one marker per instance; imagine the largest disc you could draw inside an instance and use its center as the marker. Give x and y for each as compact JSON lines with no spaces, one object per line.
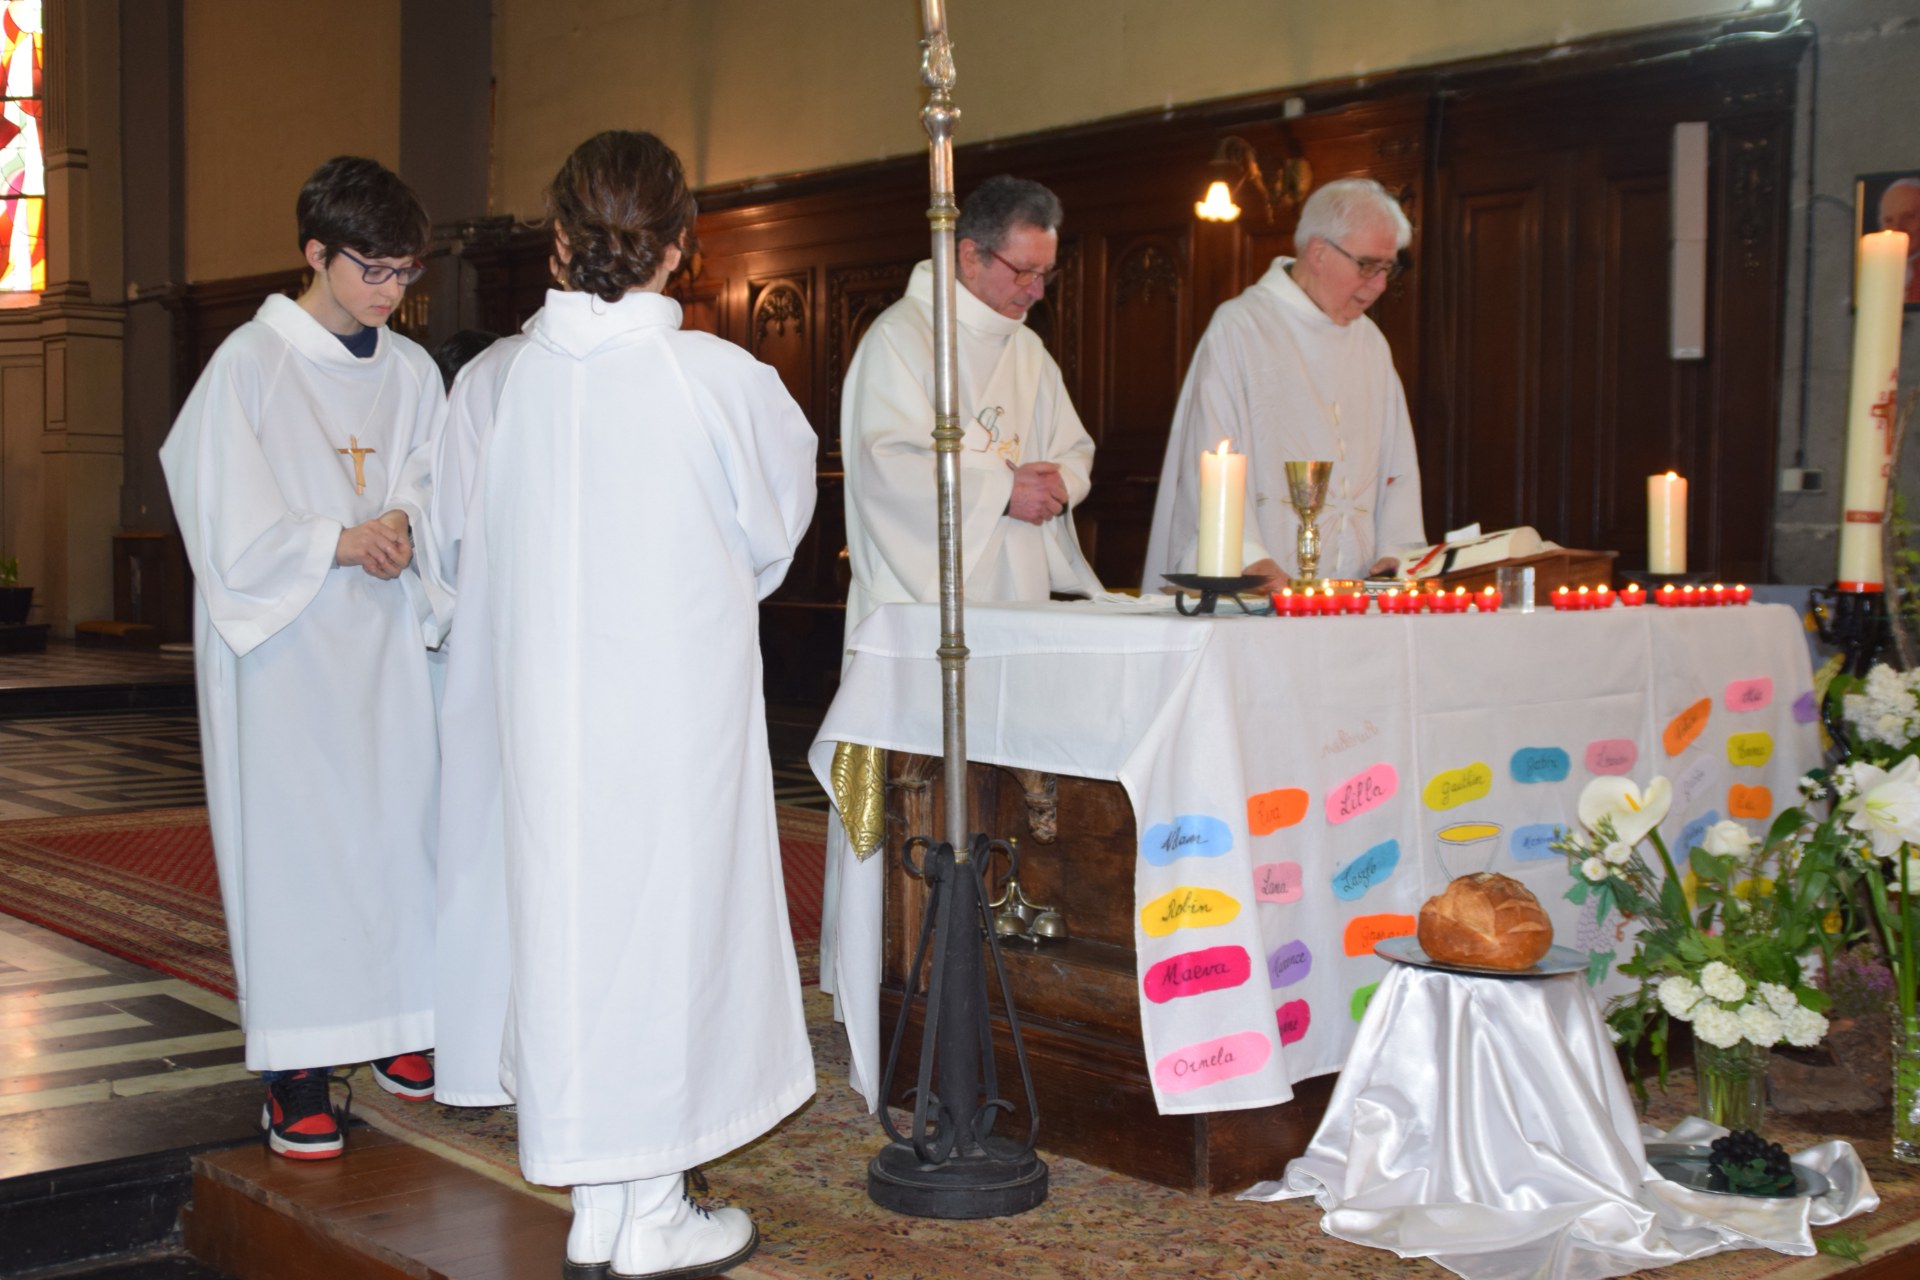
{"x":1277,"y":882}
{"x":1750,"y":695}
{"x":1294,"y":1017}
{"x":1612,"y":755}
{"x":1195,"y":972}
{"x":1211,"y":1061}
{"x":1362,"y":792}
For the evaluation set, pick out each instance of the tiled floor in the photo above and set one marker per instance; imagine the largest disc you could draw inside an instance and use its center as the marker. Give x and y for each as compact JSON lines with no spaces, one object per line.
{"x":51,"y":766}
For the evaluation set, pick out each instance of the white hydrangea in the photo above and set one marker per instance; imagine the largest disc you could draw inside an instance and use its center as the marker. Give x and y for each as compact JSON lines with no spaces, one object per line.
{"x":1886,"y":709}
{"x":1778,"y":998}
{"x":1617,"y":853}
{"x":1594,"y":869}
{"x":1759,"y":1024}
{"x":1679,"y":995}
{"x":1718,"y":1027}
{"x":1803,"y":1028}
{"x":1722,"y":983}
{"x":1727,"y":839}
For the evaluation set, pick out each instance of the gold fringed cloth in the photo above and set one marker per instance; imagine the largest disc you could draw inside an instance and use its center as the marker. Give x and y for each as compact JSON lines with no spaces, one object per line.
{"x":860,"y":793}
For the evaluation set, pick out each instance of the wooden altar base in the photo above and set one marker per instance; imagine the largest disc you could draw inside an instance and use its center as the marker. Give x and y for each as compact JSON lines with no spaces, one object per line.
{"x":1077,"y":1000}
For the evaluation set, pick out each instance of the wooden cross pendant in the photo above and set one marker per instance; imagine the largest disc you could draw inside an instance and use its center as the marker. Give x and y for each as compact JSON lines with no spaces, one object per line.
{"x":359,"y":457}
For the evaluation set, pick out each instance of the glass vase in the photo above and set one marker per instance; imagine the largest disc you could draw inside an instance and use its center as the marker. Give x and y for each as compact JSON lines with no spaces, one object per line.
{"x":1906,"y":1089}
{"x":1733,"y":1083}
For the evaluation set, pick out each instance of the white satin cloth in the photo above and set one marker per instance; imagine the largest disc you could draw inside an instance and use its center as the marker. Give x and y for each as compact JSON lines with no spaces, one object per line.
{"x":1485,"y":1123}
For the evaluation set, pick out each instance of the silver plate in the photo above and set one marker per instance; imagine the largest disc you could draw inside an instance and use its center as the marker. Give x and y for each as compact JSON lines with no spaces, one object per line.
{"x":1406,"y":950}
{"x":1692,"y":1171}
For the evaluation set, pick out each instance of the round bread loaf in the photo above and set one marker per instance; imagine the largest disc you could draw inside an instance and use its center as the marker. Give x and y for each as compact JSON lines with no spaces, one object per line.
{"x":1485,"y":920}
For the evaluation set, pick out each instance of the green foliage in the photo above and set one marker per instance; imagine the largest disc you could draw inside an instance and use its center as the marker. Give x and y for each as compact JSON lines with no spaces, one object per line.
{"x":1848,"y":1243}
{"x":9,"y":571}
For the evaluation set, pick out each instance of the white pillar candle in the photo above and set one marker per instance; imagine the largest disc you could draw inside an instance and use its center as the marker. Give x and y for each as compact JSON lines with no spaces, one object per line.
{"x":1870,"y":407}
{"x":1666,"y":524}
{"x":1223,"y":504}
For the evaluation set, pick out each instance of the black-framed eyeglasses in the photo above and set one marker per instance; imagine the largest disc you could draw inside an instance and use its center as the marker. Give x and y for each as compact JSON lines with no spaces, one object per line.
{"x":1024,"y":276}
{"x":377,"y":273}
{"x":1370,"y":268}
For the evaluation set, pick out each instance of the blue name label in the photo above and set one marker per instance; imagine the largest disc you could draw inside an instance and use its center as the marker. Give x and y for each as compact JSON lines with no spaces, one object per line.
{"x":1693,"y":833}
{"x":1534,"y":843}
{"x":1353,"y":879}
{"x":1193,"y":835}
{"x":1540,"y":764}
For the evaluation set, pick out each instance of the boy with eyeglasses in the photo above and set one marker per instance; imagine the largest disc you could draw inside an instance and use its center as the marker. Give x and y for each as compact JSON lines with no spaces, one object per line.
{"x":310,"y":629}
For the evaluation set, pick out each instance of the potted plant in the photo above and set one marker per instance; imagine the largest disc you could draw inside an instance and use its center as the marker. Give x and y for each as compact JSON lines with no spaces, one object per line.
{"x":15,"y":599}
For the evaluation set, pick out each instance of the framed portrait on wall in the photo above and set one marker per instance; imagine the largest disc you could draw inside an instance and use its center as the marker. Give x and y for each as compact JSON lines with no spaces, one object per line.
{"x":1891,"y":202}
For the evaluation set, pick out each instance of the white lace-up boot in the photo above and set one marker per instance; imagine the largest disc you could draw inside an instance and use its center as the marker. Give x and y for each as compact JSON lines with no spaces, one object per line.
{"x":666,"y":1236}
{"x":598,"y":1212}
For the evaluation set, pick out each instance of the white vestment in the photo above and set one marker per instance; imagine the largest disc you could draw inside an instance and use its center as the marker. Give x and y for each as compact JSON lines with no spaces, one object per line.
{"x":316,"y":713}
{"x":1285,"y":383}
{"x":640,"y":490}
{"x":1014,"y":407}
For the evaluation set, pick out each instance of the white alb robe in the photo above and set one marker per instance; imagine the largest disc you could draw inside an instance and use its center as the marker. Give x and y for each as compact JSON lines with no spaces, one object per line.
{"x":316,"y":714}
{"x":1286,"y":384}
{"x":640,"y":490}
{"x":1015,"y":409}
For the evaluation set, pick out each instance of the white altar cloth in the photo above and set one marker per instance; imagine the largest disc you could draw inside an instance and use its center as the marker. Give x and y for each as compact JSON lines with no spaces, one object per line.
{"x":1301,"y":785}
{"x":1484,"y":1123}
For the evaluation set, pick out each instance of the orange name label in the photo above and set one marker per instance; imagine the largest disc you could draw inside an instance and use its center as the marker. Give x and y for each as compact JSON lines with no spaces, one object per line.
{"x":1685,"y":727}
{"x":1271,"y":810}
{"x":1364,"y":931}
{"x":1749,"y":802}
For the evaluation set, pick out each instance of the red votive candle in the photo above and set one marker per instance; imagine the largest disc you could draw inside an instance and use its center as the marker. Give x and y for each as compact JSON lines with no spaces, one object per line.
{"x":1357,"y":603}
{"x":1489,"y":600}
{"x":1582,"y":599}
{"x":1283,"y":602}
{"x":1633,"y":595}
{"x":1742,"y":593}
{"x":1603,"y":596}
{"x":1689,"y":598}
{"x":1563,"y":599}
{"x":1667,"y":597}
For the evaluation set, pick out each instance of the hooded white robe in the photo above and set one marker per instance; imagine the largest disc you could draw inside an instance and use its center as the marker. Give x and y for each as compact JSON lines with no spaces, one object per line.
{"x":1285,"y":383}
{"x":641,"y":489}
{"x":316,"y":713}
{"x":1015,"y":409}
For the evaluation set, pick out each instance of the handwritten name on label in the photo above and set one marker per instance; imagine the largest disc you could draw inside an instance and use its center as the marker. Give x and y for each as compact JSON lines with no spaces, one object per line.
{"x":1694,"y":832}
{"x":1194,"y":973}
{"x":1612,"y":756}
{"x":1457,"y":786}
{"x":1351,"y":881}
{"x":1804,"y":710}
{"x":1271,"y":810}
{"x":1363,"y":932}
{"x":1749,"y":802}
{"x":1688,"y":786}
{"x":1540,"y":764}
{"x":1685,"y":727}
{"x":1193,"y":835}
{"x":1361,"y":792}
{"x":1362,"y":997}
{"x":1749,"y":750}
{"x":1750,"y":695}
{"x":1293,"y":1017}
{"x":1534,"y":842}
{"x":1277,"y":882}
{"x":1211,"y":1061}
{"x":1289,"y":963}
{"x":1188,"y":907}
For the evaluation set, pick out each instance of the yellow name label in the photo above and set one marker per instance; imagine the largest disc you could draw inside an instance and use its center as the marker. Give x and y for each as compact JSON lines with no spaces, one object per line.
{"x":1750,"y":749}
{"x":1188,"y":907}
{"x":1458,"y":786}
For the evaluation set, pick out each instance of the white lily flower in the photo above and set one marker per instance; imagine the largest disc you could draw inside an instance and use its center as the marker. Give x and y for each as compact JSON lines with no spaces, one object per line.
{"x":1634,"y":813}
{"x":1887,"y":807}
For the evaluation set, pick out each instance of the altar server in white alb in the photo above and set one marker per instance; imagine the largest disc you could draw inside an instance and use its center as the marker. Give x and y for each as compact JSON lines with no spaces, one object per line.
{"x":310,"y":627}
{"x":1026,"y":461}
{"x":638,"y":490}
{"x":1293,"y":371}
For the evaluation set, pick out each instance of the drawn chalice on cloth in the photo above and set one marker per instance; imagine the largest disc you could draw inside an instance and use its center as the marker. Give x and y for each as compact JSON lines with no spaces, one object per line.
{"x":1467,"y":847}
{"x":1307,"y":490}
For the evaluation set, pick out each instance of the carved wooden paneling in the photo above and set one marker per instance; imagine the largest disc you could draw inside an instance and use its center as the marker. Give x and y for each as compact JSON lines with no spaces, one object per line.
{"x":855,"y":298}
{"x":780,"y":330}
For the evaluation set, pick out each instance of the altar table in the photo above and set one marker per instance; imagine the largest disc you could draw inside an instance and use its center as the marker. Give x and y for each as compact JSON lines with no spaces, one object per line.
{"x":1300,"y":785}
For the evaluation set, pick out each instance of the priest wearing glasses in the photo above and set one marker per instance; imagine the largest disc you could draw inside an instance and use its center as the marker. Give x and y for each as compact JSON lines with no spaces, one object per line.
{"x":1026,"y":460}
{"x":1293,"y":371}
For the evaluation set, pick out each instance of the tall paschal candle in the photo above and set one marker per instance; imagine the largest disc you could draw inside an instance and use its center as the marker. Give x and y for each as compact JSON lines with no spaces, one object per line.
{"x":1870,"y":408}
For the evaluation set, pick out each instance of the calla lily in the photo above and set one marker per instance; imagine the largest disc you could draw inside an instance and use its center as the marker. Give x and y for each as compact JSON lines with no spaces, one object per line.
{"x":1886,"y":806}
{"x":1634,"y":813}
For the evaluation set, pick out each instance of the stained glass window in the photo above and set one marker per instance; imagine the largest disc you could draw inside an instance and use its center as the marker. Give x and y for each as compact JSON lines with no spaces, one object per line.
{"x":23,"y":170}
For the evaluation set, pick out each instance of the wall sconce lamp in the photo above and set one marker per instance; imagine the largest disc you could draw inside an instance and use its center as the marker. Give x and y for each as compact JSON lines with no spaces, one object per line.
{"x":1235,"y":167}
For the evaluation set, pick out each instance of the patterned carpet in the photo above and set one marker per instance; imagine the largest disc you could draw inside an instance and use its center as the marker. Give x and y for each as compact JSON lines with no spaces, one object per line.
{"x":142,"y":886}
{"x":805,"y":1184}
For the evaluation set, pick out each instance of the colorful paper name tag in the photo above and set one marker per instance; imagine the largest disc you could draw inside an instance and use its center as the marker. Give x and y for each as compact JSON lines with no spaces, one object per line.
{"x":1194,"y":973}
{"x":1685,"y":727}
{"x":1352,"y":880}
{"x":1193,"y":835}
{"x":1269,"y":811}
{"x":1458,"y":786}
{"x":1612,"y":756}
{"x":1362,"y":932}
{"x":1362,"y":792}
{"x":1293,"y":1019}
{"x":1749,"y":802}
{"x":1277,"y":882}
{"x":1749,"y":750}
{"x":1188,"y":907}
{"x":1211,"y":1061}
{"x":1289,"y":963}
{"x":1750,"y":695}
{"x":1534,"y":842}
{"x":1540,"y":764}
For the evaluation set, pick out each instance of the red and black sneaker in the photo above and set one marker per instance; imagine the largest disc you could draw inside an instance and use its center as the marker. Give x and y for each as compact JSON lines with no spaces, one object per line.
{"x":406,"y":1075}
{"x":299,"y":1118}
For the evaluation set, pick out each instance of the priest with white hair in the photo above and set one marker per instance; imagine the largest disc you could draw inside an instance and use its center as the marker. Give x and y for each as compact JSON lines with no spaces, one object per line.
{"x":1293,"y":371}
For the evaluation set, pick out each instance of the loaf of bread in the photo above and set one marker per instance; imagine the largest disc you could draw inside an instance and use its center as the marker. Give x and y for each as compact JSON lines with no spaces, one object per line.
{"x":1487,"y":921}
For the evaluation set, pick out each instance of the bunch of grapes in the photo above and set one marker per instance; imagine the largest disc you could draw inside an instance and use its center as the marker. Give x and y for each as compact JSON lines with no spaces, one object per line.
{"x":1745,"y":1163}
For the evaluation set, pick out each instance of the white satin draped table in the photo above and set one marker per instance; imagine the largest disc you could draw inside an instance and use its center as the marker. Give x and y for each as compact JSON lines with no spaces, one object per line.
{"x":1485,"y":1123}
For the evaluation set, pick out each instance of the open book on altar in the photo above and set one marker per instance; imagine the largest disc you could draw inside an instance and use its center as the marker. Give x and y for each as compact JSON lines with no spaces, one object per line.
{"x":1469,"y":548}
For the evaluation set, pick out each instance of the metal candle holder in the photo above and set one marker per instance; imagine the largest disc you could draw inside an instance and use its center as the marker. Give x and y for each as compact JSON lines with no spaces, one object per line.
{"x":1307,"y":490}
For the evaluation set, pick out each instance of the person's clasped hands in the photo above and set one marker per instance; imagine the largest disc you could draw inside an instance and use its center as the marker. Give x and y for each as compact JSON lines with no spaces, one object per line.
{"x":1039,"y":494}
{"x":383,"y":546}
